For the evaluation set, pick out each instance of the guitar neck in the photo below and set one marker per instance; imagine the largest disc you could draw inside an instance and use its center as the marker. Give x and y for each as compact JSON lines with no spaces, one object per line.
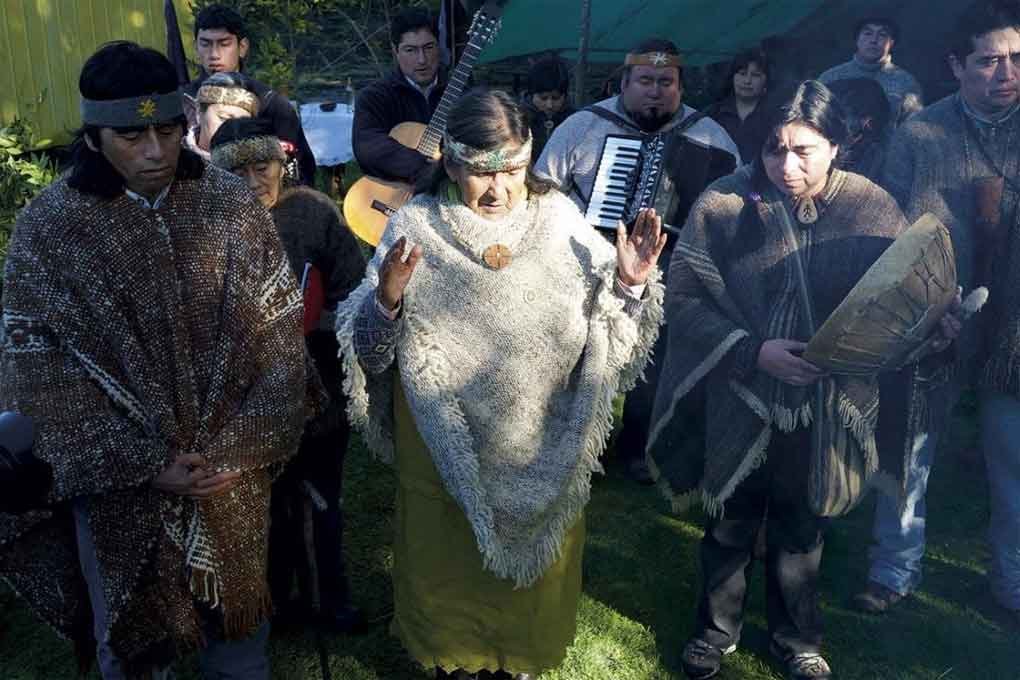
{"x":433,"y":136}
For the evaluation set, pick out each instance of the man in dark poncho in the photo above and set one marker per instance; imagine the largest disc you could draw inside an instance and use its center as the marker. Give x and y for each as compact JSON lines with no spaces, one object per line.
{"x":152,"y":331}
{"x":958,"y":159}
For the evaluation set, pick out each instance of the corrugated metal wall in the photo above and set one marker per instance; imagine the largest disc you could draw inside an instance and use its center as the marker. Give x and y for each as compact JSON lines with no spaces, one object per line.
{"x":43,"y":44}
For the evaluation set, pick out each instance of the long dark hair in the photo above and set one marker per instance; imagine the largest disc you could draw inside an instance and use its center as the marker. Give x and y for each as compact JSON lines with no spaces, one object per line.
{"x":811,"y":104}
{"x":488,"y":120}
{"x":119,"y":70}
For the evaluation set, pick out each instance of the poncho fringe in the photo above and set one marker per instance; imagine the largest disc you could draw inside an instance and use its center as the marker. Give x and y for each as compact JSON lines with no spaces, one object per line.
{"x":628,"y":346}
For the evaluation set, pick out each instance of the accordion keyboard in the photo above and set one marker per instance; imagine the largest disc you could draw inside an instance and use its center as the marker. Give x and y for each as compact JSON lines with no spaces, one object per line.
{"x":614,"y":180}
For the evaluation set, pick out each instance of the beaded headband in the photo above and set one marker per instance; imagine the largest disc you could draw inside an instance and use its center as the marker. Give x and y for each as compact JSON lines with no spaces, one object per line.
{"x":480,"y":161}
{"x":233,"y":96}
{"x":237,"y":153}
{"x":653,"y":59}
{"x":151,"y":109}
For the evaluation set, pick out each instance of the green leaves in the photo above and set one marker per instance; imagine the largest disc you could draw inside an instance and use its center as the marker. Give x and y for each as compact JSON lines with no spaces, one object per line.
{"x":22,"y":174}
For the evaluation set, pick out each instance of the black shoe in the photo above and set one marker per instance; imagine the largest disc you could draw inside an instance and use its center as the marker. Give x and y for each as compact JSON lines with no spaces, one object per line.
{"x":701,"y":660}
{"x":346,"y":620}
{"x":876,"y":599}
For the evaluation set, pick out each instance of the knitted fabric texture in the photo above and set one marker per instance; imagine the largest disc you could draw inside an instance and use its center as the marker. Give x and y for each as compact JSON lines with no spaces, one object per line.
{"x":232,"y":96}
{"x":313,"y":231}
{"x":901,"y":89}
{"x":236,"y":154}
{"x":931,"y":166}
{"x":510,"y":373}
{"x":732,"y":285}
{"x":132,"y":336}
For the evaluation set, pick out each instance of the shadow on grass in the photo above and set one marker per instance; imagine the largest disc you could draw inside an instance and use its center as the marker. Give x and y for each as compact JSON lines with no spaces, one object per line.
{"x":640,"y":571}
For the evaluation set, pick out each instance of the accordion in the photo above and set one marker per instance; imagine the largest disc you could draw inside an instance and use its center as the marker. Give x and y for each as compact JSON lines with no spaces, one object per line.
{"x":631,"y":176}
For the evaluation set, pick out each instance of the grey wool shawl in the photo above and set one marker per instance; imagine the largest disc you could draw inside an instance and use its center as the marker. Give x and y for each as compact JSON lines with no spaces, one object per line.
{"x":509,"y":374}
{"x":732,"y":285}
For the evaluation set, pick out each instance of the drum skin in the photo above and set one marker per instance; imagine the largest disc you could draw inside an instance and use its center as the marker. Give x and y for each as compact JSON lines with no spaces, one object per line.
{"x":895,"y":306}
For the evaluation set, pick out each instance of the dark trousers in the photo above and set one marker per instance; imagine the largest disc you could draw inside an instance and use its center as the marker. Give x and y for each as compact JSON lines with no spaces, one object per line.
{"x":776,"y":490}
{"x":306,"y":526}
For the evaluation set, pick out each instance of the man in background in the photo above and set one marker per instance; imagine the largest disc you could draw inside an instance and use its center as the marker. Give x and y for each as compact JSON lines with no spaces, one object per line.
{"x":875,"y":38}
{"x":410,"y":94}
{"x":959,"y":159}
{"x":221,"y":42}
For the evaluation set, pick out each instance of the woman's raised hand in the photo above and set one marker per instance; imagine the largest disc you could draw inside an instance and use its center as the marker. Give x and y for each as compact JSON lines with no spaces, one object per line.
{"x":637,"y":254}
{"x":396,"y":272}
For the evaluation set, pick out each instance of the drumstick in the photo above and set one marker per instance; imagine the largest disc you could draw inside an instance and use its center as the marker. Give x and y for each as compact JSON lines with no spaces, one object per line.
{"x":972,"y":304}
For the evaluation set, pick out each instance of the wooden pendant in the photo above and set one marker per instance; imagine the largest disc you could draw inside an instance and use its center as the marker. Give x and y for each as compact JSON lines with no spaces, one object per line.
{"x":807,"y":211}
{"x":497,"y":256}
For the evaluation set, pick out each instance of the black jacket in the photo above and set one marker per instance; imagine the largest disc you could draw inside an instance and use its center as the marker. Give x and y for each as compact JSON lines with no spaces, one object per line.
{"x":542,"y":126}
{"x":379,"y":108}
{"x":276,"y":109}
{"x":749,"y":134}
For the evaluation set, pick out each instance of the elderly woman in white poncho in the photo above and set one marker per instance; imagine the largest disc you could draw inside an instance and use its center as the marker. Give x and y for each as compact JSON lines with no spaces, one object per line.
{"x":482,"y":354}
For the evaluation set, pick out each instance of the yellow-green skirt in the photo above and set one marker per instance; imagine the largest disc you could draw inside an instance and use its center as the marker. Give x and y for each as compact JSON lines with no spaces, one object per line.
{"x":451,"y":613}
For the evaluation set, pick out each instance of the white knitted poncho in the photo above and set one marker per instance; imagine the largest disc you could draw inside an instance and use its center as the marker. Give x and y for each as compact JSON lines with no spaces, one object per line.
{"x":510,"y":373}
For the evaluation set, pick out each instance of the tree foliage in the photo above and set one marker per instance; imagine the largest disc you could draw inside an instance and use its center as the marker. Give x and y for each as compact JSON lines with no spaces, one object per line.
{"x":22,"y":174}
{"x":304,"y":44}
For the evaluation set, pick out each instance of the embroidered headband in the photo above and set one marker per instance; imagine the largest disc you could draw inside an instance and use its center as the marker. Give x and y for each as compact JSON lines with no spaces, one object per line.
{"x":480,"y":162}
{"x":237,"y":153}
{"x":653,"y":59}
{"x":151,"y":109}
{"x":233,"y":96}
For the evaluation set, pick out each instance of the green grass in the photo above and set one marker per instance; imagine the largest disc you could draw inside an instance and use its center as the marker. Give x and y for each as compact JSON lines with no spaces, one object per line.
{"x":640,"y":587}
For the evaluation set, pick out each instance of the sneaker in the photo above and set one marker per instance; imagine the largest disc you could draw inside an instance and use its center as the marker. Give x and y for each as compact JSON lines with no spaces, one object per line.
{"x":803,"y":665}
{"x":702,"y":660}
{"x":876,"y":599}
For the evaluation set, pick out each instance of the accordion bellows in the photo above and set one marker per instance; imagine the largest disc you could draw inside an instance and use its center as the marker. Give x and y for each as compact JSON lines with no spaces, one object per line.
{"x":893,"y":308}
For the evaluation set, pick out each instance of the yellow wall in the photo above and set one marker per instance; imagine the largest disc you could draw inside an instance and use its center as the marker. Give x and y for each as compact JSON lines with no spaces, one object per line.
{"x":43,"y":44}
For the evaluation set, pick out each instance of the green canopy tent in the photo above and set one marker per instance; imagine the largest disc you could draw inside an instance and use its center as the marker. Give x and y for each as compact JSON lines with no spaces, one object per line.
{"x":707,"y":31}
{"x":803,"y":37}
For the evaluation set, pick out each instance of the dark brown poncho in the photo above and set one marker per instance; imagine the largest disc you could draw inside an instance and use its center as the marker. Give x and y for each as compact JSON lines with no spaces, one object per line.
{"x":132,"y":336}
{"x":732,"y":285}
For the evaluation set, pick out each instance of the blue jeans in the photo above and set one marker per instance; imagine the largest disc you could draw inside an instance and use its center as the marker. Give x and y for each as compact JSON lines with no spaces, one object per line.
{"x":1000,"y":440}
{"x":219,"y":660}
{"x":898,"y":533}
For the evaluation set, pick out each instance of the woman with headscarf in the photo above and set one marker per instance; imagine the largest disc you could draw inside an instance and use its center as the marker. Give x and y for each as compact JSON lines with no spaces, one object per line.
{"x":483,"y":351}
{"x":765,"y":257}
{"x":327,"y":261}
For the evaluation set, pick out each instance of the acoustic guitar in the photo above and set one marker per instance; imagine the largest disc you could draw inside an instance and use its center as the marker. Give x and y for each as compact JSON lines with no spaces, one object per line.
{"x":371,"y":200}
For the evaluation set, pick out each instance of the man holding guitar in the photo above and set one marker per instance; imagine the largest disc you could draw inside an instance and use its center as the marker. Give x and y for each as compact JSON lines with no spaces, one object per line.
{"x":399,"y":121}
{"x":410,"y":94}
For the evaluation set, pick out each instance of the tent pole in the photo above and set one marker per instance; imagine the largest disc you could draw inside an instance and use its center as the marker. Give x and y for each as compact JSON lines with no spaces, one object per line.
{"x":581,"y":70}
